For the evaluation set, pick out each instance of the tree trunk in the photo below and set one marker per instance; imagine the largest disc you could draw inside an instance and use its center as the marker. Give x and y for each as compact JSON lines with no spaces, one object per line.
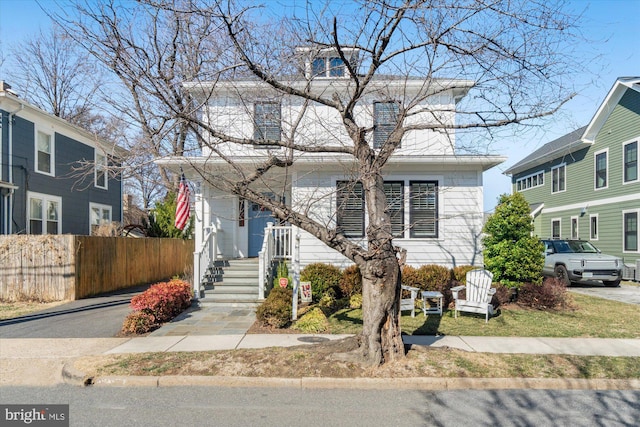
{"x":381,"y":340}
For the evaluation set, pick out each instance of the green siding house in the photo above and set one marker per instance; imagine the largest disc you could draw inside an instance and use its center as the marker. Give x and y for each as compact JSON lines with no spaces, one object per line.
{"x":586,"y":184}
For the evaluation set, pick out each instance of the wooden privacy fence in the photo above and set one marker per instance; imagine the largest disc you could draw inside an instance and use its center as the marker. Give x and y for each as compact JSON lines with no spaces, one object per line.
{"x":67,"y":267}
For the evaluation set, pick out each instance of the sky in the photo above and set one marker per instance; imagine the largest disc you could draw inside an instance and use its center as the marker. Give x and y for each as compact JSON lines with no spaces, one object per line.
{"x":611,"y":26}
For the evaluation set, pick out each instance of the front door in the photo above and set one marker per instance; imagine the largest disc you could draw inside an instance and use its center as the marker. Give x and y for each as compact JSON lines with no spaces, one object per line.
{"x":258,"y":219}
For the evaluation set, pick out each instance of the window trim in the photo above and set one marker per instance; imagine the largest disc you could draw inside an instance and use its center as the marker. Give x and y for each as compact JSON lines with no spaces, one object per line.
{"x":45,"y":198}
{"x":624,"y":231}
{"x":575,"y":220}
{"x":101,"y":207}
{"x":595,"y":169}
{"x":412,"y":230}
{"x":52,"y":153}
{"x":557,"y":168}
{"x":257,"y":132}
{"x":559,"y":221}
{"x":539,"y":178}
{"x":104,"y":167}
{"x":624,"y":165}
{"x":593,"y":236}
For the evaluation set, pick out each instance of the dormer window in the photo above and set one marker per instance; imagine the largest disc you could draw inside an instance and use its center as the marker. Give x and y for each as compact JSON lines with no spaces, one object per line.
{"x":327,"y":62}
{"x":328,"y":67}
{"x":336,"y":67}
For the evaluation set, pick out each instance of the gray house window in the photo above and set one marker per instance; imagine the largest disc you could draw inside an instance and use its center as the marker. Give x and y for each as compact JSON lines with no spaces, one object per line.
{"x":630,"y":220}
{"x":266,"y":116}
{"x":631,"y":162}
{"x":385,"y":118}
{"x":423,"y":209}
{"x":350,"y":208}
{"x":601,"y":170}
{"x":101,"y":171}
{"x":44,"y":214}
{"x":44,"y":153}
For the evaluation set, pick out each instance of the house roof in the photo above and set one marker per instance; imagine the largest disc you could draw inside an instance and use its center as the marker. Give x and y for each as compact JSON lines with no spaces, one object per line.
{"x":564,"y":145}
{"x":606,"y":108}
{"x":12,"y":101}
{"x":581,"y":137}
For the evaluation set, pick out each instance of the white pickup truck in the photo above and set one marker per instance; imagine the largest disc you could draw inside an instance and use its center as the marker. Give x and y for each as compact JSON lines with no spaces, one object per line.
{"x":578,"y":260}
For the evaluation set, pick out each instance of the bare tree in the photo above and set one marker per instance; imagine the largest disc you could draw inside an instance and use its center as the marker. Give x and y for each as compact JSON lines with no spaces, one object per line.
{"x":151,"y":51}
{"x":511,"y":57}
{"x":51,"y":71}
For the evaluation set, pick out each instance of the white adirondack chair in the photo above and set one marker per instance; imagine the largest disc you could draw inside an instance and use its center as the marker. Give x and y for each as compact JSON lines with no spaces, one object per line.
{"x":478,"y":294}
{"x":409,"y":303}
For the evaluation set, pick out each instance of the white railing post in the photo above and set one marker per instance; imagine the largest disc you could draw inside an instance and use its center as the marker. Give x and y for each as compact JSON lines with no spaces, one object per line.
{"x":202,"y":258}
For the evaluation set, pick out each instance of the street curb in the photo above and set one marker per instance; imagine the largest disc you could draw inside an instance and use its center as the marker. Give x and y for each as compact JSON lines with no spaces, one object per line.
{"x":71,"y":375}
{"x":418,"y":383}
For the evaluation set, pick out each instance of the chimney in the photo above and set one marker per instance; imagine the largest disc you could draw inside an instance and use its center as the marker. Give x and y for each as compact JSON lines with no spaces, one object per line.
{"x":6,"y":87}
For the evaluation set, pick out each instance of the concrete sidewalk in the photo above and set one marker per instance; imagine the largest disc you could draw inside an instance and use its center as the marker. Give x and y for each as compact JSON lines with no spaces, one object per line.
{"x":49,"y":361}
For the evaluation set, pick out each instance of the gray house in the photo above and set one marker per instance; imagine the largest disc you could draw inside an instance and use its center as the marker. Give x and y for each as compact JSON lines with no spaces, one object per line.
{"x":586,"y":184}
{"x":55,"y":178}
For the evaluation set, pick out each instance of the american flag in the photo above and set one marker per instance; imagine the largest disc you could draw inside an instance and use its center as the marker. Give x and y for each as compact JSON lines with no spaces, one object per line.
{"x":182,"y":207}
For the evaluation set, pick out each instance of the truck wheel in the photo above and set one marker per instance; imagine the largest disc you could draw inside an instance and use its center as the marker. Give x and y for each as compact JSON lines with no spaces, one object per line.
{"x":611,"y":283}
{"x":562,"y":274}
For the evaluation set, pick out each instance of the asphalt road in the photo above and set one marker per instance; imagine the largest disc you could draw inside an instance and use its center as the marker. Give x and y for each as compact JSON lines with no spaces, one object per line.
{"x":97,"y":317}
{"x":201,"y":406}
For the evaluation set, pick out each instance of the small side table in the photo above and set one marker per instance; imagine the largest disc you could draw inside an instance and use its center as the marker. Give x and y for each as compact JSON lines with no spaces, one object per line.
{"x":426,"y":307}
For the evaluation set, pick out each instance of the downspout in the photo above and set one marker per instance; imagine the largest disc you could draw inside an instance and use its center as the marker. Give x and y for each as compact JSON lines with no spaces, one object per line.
{"x":10,"y":175}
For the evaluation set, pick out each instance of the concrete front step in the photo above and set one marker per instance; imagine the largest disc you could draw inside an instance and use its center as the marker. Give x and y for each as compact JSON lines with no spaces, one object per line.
{"x":211,"y":302}
{"x":232,"y":282}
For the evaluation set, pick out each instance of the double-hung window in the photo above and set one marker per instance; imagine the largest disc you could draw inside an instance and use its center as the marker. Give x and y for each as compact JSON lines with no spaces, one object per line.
{"x":99,"y":215}
{"x":266,"y":120}
{"x":385,"y":119}
{"x":630,"y":162}
{"x":101,"y":180}
{"x":601,"y":170}
{"x":44,"y":212}
{"x":630,"y":231}
{"x":350,"y":208}
{"x":44,"y":162}
{"x":558,"y":179}
{"x":394,"y":193}
{"x":555,"y":228}
{"x":423,"y":208}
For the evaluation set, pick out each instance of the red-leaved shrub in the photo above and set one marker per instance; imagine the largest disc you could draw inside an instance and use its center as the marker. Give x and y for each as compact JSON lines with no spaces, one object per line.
{"x":164,"y":300}
{"x":139,"y":322}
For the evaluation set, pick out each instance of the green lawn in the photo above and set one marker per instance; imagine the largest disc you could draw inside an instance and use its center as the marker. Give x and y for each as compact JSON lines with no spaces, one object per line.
{"x":590,"y":317}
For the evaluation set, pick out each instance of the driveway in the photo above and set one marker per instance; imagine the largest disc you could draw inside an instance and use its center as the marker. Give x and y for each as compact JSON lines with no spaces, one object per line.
{"x":96,"y":317}
{"x":624,"y":293}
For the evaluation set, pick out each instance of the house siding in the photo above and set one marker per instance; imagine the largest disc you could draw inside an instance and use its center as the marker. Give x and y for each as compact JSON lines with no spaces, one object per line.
{"x":581,"y":199}
{"x":76,"y":192}
{"x":459,"y":226}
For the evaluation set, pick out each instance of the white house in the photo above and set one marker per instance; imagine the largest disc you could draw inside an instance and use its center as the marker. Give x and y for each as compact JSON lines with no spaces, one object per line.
{"x":435,"y":195}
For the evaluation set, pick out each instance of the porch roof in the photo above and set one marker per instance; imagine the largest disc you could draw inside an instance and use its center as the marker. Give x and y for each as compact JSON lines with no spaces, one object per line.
{"x":484,"y":162}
